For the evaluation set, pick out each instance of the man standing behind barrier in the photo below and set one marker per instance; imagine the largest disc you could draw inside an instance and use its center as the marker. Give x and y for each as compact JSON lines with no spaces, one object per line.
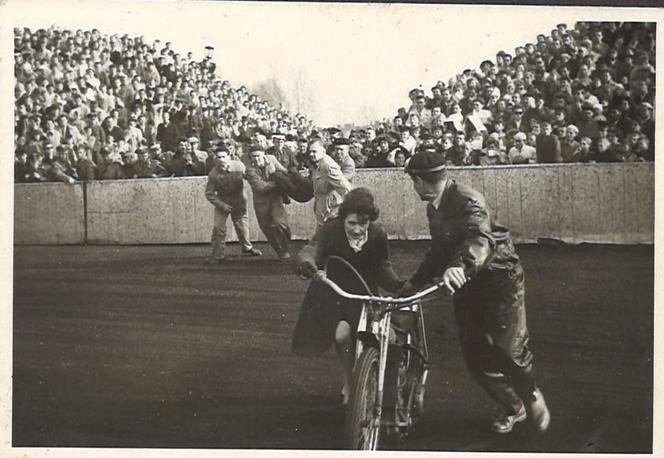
{"x":224,"y":190}
{"x":268,"y":201}
{"x":479,"y":264}
{"x":330,"y":185}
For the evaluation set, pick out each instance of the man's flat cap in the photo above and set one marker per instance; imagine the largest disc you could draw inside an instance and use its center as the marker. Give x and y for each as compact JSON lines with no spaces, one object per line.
{"x":426,"y":161}
{"x":341,"y":142}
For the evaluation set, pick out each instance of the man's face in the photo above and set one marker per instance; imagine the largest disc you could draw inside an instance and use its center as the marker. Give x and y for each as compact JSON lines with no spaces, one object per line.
{"x":302,"y":147}
{"x":422,"y":188}
{"x":338,"y":152}
{"x":446,"y":94}
{"x":316,"y":154}
{"x":49,"y":151}
{"x":183,"y":146}
{"x":222,"y":159}
{"x":257,"y":158}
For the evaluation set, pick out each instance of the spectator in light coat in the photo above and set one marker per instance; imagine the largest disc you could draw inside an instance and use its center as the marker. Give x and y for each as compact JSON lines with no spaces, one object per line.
{"x":330,"y":185}
{"x":521,"y":153}
{"x":225,"y":191}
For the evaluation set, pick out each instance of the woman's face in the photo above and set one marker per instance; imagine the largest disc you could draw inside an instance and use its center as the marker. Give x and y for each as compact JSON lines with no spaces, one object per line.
{"x":356,"y":226}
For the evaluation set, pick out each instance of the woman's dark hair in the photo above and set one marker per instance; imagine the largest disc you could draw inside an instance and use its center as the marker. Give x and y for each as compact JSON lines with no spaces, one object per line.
{"x":361,"y":202}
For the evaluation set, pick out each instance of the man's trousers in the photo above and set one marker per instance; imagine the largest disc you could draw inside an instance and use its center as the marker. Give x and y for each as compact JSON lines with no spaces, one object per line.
{"x":241,"y":224}
{"x":273,"y":221}
{"x":491,"y":318}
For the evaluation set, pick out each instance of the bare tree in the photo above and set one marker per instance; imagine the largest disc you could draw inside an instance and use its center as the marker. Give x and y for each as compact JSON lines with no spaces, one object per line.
{"x":271,"y":91}
{"x":302,"y":93}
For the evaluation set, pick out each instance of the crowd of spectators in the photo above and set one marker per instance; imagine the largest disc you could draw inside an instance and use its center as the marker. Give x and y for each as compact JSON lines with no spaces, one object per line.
{"x":585,"y":94}
{"x":92,"y":106}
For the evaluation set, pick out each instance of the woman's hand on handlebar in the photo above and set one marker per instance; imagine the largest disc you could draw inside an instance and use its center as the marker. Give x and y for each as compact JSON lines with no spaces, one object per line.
{"x":306,"y":270}
{"x":319,"y":275}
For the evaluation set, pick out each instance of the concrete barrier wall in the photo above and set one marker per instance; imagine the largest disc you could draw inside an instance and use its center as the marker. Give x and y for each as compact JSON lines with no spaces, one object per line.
{"x":602,"y":203}
{"x":172,"y":210}
{"x":49,"y":213}
{"x":576,"y":203}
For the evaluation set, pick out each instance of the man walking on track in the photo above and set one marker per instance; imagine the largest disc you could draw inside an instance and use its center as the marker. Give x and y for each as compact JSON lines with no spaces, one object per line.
{"x":268,"y":201}
{"x":224,"y":190}
{"x":479,"y":265}
{"x":329,"y":184}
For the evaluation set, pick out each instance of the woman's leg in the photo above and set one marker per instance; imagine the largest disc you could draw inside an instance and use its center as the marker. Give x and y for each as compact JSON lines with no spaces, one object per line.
{"x":343,"y":343}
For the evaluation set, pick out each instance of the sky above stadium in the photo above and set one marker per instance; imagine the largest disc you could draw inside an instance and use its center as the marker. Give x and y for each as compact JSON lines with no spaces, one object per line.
{"x":357,"y":62}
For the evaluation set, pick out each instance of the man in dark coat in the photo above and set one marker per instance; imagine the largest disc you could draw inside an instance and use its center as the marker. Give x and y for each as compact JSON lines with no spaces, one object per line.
{"x":479,"y":265}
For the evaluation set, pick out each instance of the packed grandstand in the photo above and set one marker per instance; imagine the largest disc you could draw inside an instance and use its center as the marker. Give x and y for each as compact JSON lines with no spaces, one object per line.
{"x":94,"y":106}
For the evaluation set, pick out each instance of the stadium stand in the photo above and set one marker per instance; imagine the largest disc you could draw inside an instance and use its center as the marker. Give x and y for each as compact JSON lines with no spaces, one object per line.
{"x":93,"y":106}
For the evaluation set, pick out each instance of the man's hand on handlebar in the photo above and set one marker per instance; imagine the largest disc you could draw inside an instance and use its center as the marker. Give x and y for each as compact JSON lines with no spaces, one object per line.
{"x":454,"y":278}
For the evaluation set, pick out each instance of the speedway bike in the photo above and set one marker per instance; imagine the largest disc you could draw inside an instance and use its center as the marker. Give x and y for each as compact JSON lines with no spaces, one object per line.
{"x":391,"y":359}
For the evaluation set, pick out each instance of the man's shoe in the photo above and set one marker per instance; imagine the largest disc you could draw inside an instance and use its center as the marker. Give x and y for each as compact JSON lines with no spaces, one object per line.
{"x":252,"y":252}
{"x":215,"y":261}
{"x":538,"y":412}
{"x":504,"y":425}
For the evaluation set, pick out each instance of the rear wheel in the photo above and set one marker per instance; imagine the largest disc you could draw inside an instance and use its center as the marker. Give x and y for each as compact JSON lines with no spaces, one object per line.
{"x":362,"y":423}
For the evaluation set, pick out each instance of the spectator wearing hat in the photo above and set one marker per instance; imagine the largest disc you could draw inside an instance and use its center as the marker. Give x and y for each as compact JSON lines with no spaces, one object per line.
{"x":225,"y":191}
{"x":329,"y":183}
{"x":377,"y":155}
{"x":285,"y":156}
{"x":480,"y":266}
{"x":182,"y":163}
{"x":644,"y":117}
{"x":521,"y":153}
{"x":341,"y":156}
{"x":145,"y":167}
{"x":268,"y":201}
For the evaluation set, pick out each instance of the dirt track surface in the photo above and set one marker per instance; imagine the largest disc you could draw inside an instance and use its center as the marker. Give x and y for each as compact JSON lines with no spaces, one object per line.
{"x":152,"y":347}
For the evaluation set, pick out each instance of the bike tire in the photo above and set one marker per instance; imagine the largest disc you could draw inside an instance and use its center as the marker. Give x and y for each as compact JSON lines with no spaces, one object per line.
{"x":361,"y":430}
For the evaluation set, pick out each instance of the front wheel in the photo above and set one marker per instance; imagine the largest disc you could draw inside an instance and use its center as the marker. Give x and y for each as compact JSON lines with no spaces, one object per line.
{"x":362,"y":421}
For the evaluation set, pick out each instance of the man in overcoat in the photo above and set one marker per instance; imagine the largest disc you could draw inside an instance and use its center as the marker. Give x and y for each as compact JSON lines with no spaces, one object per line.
{"x":478,"y":263}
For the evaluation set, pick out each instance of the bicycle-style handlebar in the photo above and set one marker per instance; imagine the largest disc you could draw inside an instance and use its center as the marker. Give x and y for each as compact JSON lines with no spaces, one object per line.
{"x":387,"y":300}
